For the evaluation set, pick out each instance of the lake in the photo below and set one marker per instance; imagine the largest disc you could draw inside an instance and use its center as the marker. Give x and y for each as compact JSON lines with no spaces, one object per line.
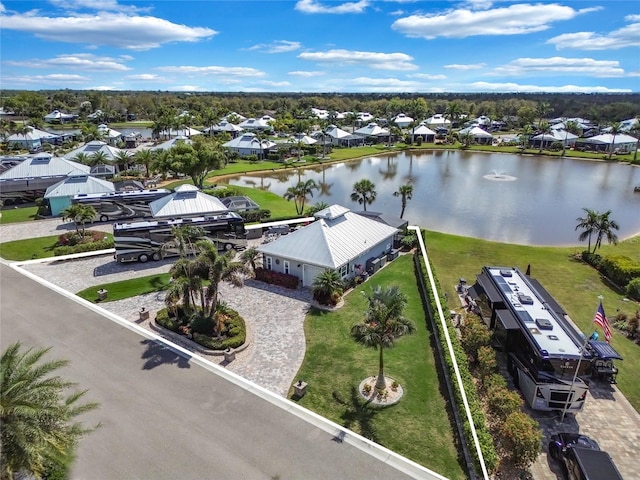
{"x":522,"y":199}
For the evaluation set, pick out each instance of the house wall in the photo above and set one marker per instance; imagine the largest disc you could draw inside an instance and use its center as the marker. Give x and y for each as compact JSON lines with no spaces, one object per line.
{"x":296,"y":267}
{"x":58,"y":204}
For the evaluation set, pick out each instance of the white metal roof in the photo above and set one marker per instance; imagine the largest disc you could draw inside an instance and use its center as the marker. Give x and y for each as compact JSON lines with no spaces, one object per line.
{"x":476,"y":132}
{"x":93,"y":147}
{"x":43,"y":165}
{"x":422,"y":129}
{"x":249,"y":141}
{"x":186,"y":201}
{"x":336,"y":132}
{"x":372,"y":130}
{"x":75,"y":184}
{"x":33,"y":134}
{"x":607,"y":139}
{"x":331,"y":242}
{"x":171,"y":143}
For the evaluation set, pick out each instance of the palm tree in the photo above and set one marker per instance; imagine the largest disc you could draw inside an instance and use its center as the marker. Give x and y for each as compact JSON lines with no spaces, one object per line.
{"x":570,"y":126}
{"x":122,"y":159}
{"x":406,"y":193}
{"x":364,"y":192}
{"x":544,"y":128}
{"x":144,"y":157}
{"x":604,"y":228}
{"x":527,"y":131}
{"x":250,"y":257}
{"x":614,"y":130}
{"x":328,"y":287}
{"x":588,"y":225}
{"x":635,"y":131}
{"x":83,"y":158}
{"x":383,"y":323}
{"x":98,"y":158}
{"x":79,"y":214}
{"x":300,"y":192}
{"x":39,"y":427}
{"x":184,"y":238}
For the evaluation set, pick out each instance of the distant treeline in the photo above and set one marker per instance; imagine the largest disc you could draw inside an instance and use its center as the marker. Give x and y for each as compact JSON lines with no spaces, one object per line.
{"x":148,"y":105}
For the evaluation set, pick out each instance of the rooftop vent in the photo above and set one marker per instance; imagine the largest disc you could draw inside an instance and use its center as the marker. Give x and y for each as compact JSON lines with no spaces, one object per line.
{"x":506,"y":273}
{"x":544,"y":324}
{"x":525,"y":299}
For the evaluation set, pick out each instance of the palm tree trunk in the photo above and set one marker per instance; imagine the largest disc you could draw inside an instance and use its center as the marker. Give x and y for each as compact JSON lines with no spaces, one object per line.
{"x":380,"y":382}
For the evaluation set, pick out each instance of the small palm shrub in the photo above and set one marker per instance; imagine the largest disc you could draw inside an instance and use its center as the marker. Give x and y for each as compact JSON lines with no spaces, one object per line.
{"x":328,"y":288}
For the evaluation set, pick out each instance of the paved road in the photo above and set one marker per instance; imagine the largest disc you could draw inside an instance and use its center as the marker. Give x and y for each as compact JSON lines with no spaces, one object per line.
{"x":163,"y":415}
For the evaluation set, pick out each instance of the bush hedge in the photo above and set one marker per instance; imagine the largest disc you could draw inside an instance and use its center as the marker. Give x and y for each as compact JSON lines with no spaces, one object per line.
{"x":621,"y":270}
{"x":255,"y":215}
{"x":277,"y":278}
{"x":487,"y":445}
{"x":83,"y":247}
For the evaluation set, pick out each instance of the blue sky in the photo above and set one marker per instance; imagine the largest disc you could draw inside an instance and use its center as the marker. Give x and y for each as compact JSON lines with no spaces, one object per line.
{"x":321,"y":46}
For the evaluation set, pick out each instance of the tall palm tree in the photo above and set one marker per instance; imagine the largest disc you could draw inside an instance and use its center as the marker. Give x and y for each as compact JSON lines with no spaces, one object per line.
{"x":83,"y":158}
{"x":406,"y":193}
{"x":383,"y":323}
{"x":300,"y":192}
{"x":79,"y":214}
{"x":98,"y":158}
{"x":364,"y":192}
{"x":122,"y":159}
{"x":250,"y":257}
{"x":39,"y":427}
{"x":527,"y":131}
{"x":570,"y":126}
{"x":328,"y":287}
{"x":614,"y":130}
{"x":588,"y":225}
{"x":544,"y":128}
{"x":605,"y":228}
{"x":144,"y":157}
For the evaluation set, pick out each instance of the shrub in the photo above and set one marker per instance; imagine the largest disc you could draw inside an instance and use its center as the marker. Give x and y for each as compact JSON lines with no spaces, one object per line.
{"x":83,"y":247}
{"x":494,"y":380}
{"x":502,"y":402}
{"x":522,"y":437}
{"x":164,"y":320}
{"x":620,"y":269}
{"x":487,"y":361}
{"x":474,"y":335}
{"x":277,"y":278}
{"x":633,"y":289}
{"x":200,"y":324}
{"x":409,"y":241}
{"x":255,"y":215}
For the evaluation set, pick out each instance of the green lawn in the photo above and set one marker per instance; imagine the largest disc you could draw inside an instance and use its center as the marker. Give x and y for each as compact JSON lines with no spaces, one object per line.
{"x":127,"y":288}
{"x":334,"y":364}
{"x":573,"y":284}
{"x":15,"y":215}
{"x":30,"y":248}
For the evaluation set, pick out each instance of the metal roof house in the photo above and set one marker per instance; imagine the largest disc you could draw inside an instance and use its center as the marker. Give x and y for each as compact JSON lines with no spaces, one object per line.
{"x":340,"y":137}
{"x":31,"y":177}
{"x":402,"y":120}
{"x":437,"y":120}
{"x":478,"y":134}
{"x":605,"y":142}
{"x":425,"y":132}
{"x":186,"y":201}
{"x":34,"y":138}
{"x":249,"y":144}
{"x":255,"y":124}
{"x":59,"y":117}
{"x":93,"y":147}
{"x":339,"y":239}
{"x":60,"y":194}
{"x":170,"y":143}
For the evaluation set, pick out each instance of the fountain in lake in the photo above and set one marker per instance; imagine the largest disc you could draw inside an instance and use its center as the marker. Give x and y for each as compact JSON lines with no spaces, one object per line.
{"x":499,"y":176}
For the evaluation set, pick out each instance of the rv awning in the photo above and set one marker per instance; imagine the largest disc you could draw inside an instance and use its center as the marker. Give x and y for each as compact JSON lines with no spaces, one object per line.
{"x":486,"y":285}
{"x":506,"y":318}
{"x":604,"y":350}
{"x":555,"y":306}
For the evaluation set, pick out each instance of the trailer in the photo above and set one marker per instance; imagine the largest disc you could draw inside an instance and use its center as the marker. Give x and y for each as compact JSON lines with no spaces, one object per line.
{"x":546,"y":354}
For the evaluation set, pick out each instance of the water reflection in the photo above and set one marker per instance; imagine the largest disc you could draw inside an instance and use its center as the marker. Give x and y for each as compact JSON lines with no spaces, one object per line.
{"x":504,"y":197}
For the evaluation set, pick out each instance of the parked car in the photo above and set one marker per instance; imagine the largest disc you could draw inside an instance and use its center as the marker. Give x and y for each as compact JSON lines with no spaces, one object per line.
{"x":581,"y":458}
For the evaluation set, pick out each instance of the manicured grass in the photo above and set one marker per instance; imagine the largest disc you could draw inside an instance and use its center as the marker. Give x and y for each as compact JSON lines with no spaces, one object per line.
{"x":278,"y":206}
{"x":418,"y":426}
{"x":573,"y":284}
{"x":29,"y":248}
{"x":127,"y":288}
{"x":21,"y":214}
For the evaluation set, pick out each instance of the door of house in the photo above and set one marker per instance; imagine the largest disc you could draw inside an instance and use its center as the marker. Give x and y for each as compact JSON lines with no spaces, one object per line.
{"x":309,"y":273}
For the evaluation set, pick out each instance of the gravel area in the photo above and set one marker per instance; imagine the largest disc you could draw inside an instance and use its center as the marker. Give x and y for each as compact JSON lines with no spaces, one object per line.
{"x":44,"y":228}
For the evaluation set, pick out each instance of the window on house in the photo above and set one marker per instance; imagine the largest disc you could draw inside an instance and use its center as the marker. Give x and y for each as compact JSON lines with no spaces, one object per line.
{"x":269,"y":263}
{"x":286,"y":266}
{"x":344,"y":269}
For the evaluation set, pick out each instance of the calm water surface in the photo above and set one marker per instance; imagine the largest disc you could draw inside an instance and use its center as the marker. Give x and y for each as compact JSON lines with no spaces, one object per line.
{"x":503,"y":197}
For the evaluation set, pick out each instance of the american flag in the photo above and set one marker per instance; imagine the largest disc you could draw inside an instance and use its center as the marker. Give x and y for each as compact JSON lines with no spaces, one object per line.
{"x":601,"y":319}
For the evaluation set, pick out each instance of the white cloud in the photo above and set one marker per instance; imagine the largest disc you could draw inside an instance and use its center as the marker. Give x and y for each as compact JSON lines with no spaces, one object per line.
{"x":380,"y":61}
{"x":56,"y":78}
{"x":213,"y":70}
{"x":275,"y":84}
{"x":470,"y":66}
{"x":186,"y":88}
{"x":278,"y":46}
{"x":75,"y":61}
{"x":368,"y":84}
{"x":99,"y":5}
{"x":312,"y":6}
{"x":146,"y":77}
{"x":102,"y":88}
{"x":561,"y":65}
{"x":461,"y":23}
{"x":627,"y":36}
{"x":427,"y":76}
{"x":112,"y":29}
{"x":307,"y":73}
{"x":517,"y":88}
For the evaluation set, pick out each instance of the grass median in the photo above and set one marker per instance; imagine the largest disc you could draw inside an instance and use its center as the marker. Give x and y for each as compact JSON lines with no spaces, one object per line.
{"x":127,"y":288}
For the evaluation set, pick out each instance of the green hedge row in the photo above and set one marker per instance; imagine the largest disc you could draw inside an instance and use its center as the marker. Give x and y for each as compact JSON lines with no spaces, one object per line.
{"x":83,"y":247}
{"x":621,"y":270}
{"x":485,"y":438}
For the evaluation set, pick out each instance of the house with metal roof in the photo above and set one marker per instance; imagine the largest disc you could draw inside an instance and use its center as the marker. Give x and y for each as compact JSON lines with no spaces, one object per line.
{"x":437,"y":121}
{"x":93,"y":147}
{"x":402,"y":120}
{"x":32,"y":139}
{"x":224,"y":126}
{"x":339,"y":239}
{"x":59,"y":117}
{"x":109,"y":135}
{"x":566,"y":138}
{"x":186,"y":201}
{"x":60,"y":194}
{"x":170,"y":143}
{"x":373,"y":131}
{"x":425,"y":132}
{"x":343,"y":138}
{"x":30,"y":178}
{"x":249,"y":144}
{"x":255,"y":124}
{"x":605,"y":142}
{"x":477,"y":134}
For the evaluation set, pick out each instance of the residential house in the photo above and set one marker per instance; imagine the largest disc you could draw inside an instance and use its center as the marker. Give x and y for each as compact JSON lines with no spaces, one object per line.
{"x":186,"y":201}
{"x":620,"y":143}
{"x":339,"y":239}
{"x":402,"y":120}
{"x":477,"y":134}
{"x":373,"y":132}
{"x":438,"y":121}
{"x":249,"y":144}
{"x":427,"y":135}
{"x":59,"y":117}
{"x":255,"y":124}
{"x":60,"y":195}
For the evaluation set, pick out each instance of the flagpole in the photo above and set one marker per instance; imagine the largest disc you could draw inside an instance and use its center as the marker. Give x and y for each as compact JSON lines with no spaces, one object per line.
{"x":575,"y":374}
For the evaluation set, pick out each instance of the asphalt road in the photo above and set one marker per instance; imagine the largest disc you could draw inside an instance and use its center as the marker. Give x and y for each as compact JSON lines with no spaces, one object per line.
{"x":163,"y":416}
